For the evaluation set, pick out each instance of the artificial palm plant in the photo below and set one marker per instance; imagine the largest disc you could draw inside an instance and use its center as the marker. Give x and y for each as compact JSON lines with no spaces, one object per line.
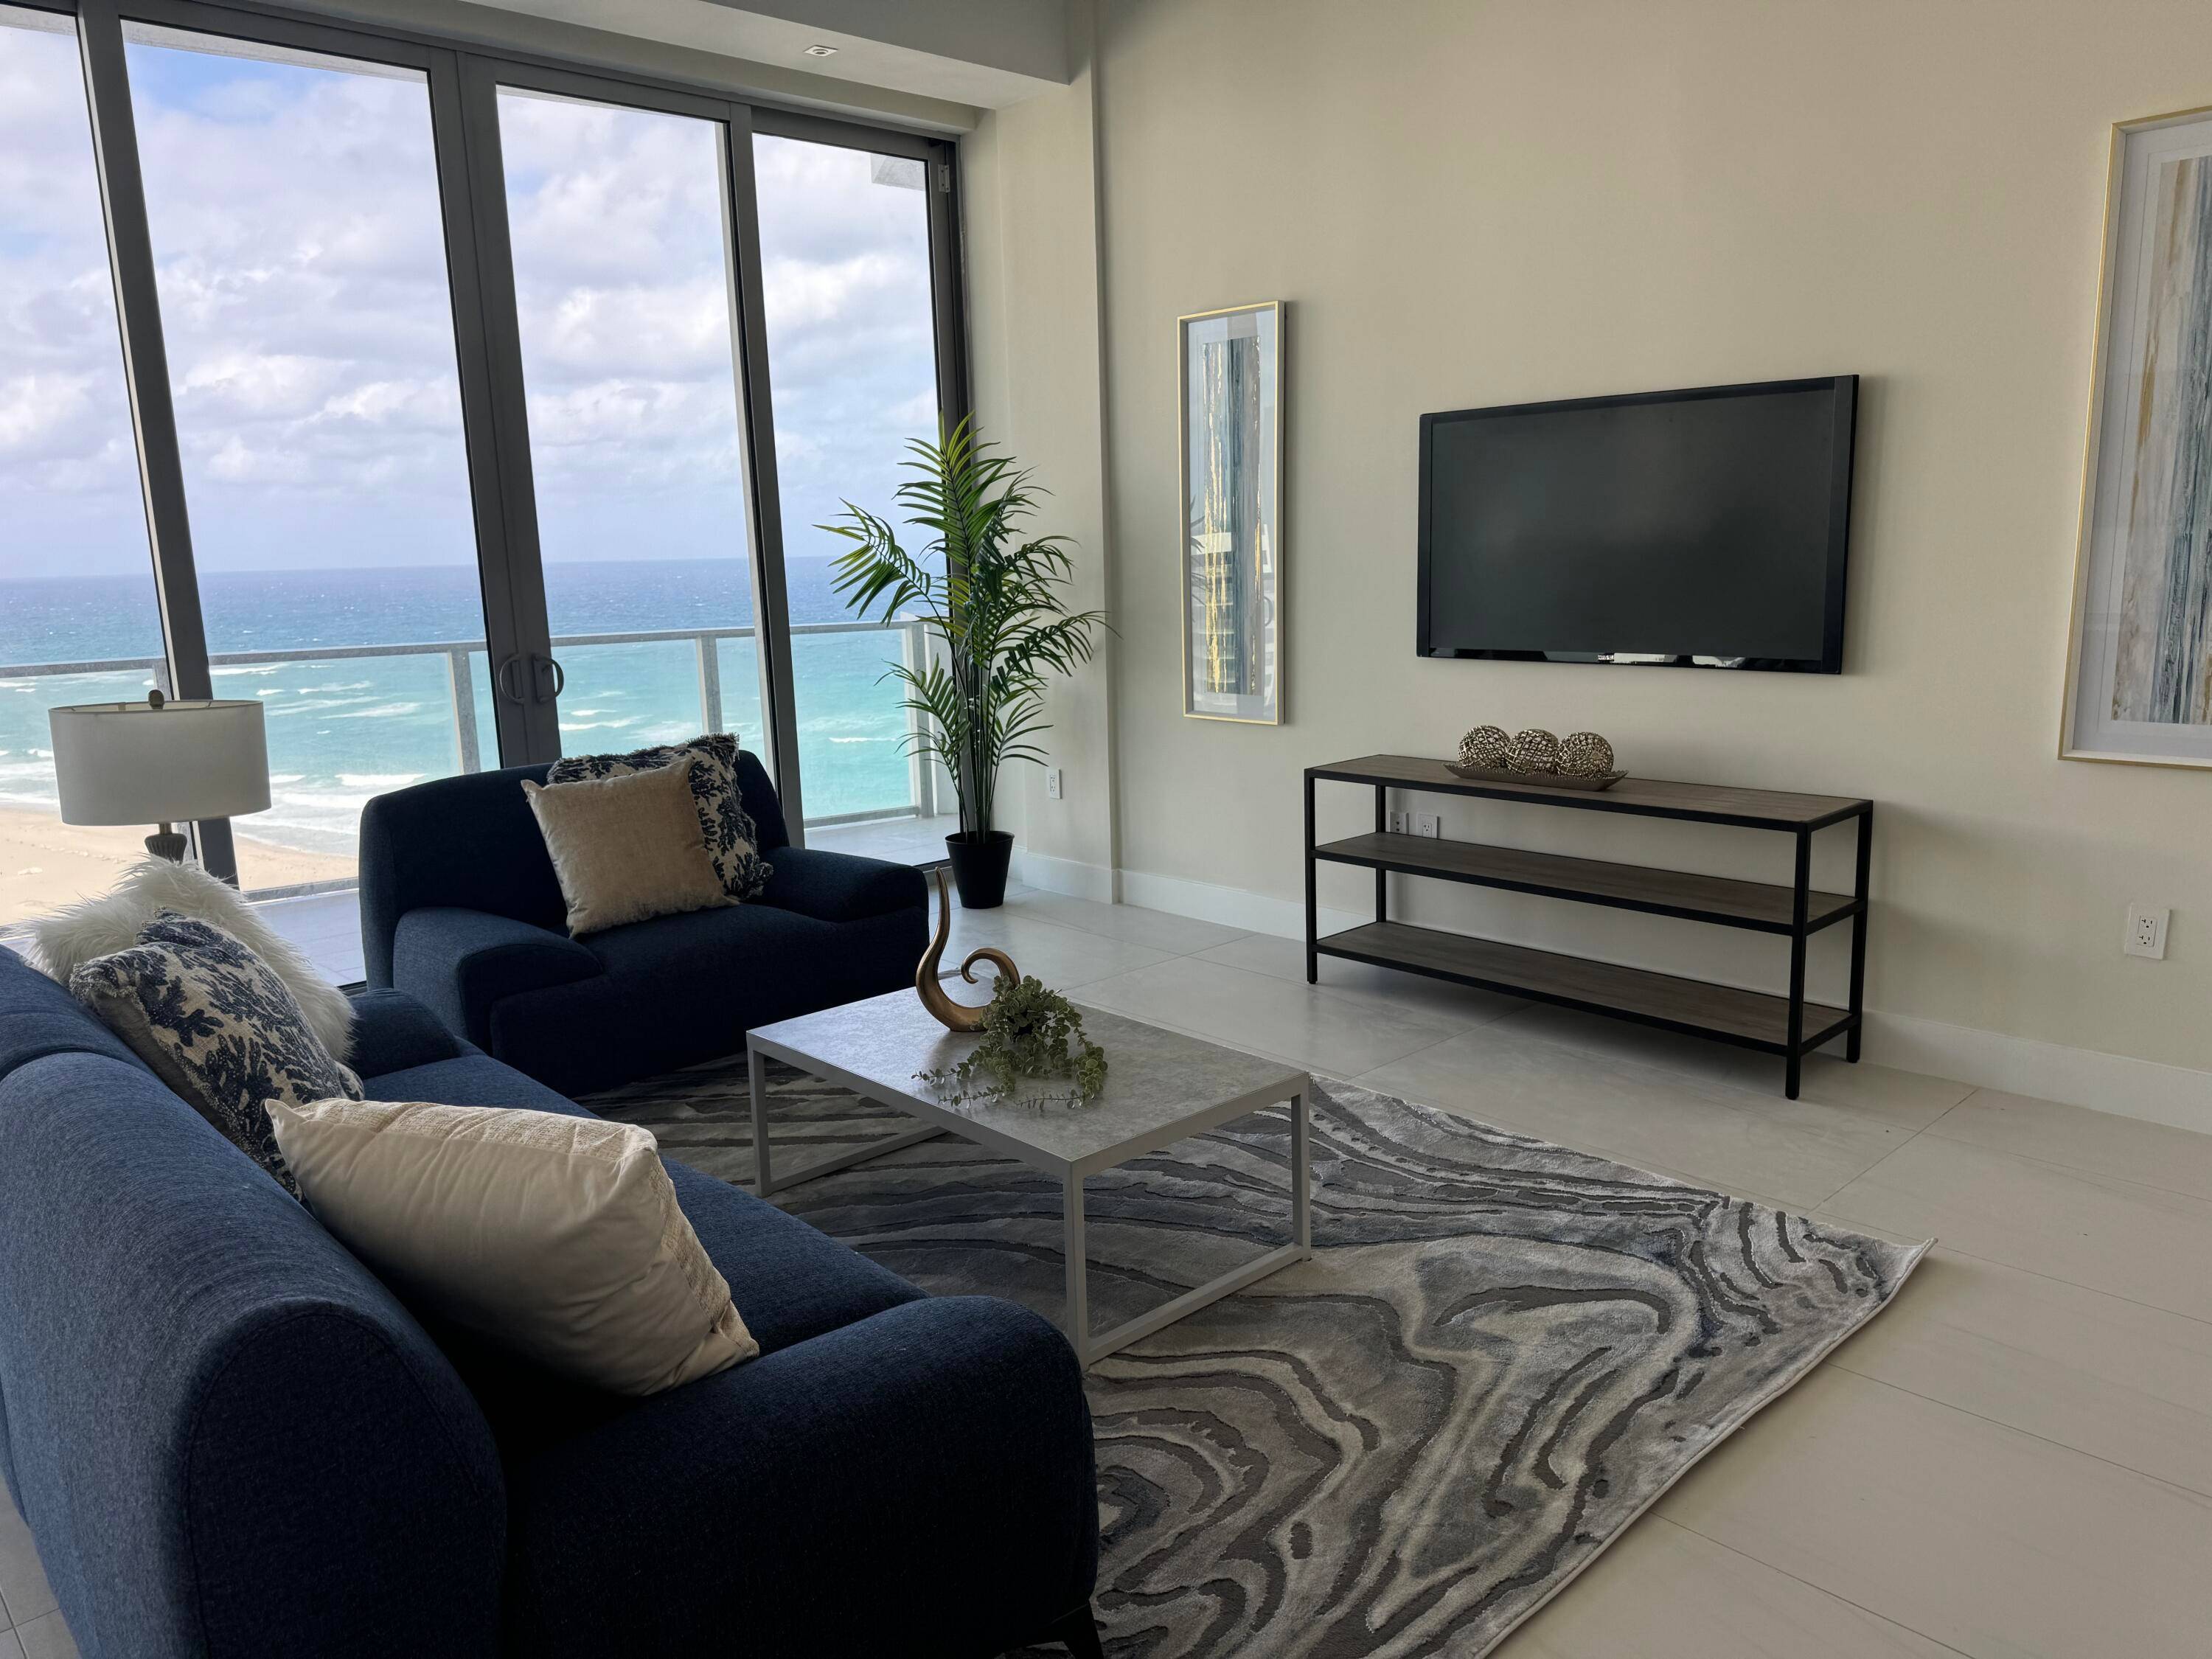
{"x":995,"y":600}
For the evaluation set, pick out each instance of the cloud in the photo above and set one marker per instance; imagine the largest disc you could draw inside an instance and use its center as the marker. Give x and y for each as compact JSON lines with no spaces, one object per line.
{"x":309,"y":330}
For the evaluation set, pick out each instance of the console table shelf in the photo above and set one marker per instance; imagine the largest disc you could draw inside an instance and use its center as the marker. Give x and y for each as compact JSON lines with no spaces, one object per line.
{"x":1624,"y":886}
{"x":1785,"y":1025}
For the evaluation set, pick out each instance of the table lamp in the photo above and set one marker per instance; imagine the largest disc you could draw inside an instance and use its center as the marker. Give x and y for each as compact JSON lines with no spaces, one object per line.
{"x":163,"y":761}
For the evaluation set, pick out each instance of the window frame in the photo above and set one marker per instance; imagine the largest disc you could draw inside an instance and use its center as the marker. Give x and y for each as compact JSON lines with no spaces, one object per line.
{"x":462,"y":79}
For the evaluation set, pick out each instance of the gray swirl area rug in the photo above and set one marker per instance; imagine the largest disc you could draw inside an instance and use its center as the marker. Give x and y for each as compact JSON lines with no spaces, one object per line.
{"x":1500,"y":1354}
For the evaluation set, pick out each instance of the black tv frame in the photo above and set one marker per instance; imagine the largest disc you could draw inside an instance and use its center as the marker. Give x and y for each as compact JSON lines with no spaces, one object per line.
{"x":1842,"y":446}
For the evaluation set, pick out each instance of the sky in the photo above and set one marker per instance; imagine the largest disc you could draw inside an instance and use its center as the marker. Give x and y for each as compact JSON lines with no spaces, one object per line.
{"x":308,"y":327}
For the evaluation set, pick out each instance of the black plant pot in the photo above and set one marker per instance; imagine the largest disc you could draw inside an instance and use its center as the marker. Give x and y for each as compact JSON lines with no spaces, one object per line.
{"x":979,"y":867}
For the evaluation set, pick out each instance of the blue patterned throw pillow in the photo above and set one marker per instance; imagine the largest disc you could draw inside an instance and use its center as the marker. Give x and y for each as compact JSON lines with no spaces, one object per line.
{"x":732,"y":840}
{"x":218,"y":1026}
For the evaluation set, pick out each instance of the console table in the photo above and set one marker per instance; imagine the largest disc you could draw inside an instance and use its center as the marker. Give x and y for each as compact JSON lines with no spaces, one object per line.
{"x":1786,"y":1026}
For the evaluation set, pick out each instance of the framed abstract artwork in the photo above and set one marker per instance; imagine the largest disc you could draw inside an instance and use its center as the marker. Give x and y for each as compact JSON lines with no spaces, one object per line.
{"x":1230,"y":439}
{"x":2139,"y":667}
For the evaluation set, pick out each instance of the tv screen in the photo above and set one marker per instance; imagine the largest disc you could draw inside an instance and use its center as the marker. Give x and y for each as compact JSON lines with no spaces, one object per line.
{"x":1700,"y":529}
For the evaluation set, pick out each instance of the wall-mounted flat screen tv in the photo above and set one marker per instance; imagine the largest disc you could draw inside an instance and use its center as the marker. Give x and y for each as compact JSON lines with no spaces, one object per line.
{"x":1699,"y":529}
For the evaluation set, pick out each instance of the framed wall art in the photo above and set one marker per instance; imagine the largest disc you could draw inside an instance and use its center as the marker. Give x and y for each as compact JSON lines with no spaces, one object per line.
{"x":1229,"y":429}
{"x":2139,"y":667}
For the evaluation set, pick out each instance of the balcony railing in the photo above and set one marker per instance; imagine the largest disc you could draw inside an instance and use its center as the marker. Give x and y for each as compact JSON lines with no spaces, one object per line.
{"x":925,"y":786}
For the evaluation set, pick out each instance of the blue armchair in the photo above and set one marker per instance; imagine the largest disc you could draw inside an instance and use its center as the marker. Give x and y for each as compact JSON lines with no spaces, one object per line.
{"x":459,"y":908}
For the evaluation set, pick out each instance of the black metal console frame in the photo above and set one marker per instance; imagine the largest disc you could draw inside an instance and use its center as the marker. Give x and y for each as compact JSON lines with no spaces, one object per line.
{"x":1665,"y":1001}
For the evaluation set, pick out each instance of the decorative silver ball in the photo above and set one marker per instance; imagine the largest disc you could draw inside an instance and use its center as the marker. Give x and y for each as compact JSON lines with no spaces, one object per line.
{"x":1585,"y":755}
{"x":1536,"y":750}
{"x":1487,"y":745}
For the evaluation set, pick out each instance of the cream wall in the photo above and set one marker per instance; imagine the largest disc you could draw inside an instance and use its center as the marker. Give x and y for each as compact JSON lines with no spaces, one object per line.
{"x":1470,"y":204}
{"x":1030,"y":206}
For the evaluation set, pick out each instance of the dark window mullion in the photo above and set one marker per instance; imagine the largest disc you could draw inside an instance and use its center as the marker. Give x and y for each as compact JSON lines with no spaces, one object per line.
{"x":757,"y":406}
{"x":146,"y":375}
{"x":494,"y":417}
{"x":947,"y":283}
{"x":500,"y":438}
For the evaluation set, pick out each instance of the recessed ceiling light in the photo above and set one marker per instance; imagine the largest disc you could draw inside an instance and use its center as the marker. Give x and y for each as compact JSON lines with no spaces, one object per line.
{"x":821,"y":51}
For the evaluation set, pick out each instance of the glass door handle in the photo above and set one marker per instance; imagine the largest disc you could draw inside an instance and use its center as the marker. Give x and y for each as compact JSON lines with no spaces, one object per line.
{"x":510,"y":686}
{"x":542,"y":668}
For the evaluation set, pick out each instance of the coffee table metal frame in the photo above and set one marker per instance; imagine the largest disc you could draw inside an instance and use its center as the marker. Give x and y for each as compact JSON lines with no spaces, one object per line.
{"x":939,"y":1119}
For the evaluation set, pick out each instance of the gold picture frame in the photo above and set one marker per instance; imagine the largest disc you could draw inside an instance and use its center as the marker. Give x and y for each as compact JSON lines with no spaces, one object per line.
{"x":2129,"y":700}
{"x":1229,"y":474}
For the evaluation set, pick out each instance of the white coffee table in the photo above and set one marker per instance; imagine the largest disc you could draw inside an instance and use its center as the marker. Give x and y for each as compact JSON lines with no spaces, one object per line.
{"x":1160,"y":1088}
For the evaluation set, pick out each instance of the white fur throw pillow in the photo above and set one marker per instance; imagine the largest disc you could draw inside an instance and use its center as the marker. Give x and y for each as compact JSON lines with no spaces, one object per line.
{"x":65,"y":941}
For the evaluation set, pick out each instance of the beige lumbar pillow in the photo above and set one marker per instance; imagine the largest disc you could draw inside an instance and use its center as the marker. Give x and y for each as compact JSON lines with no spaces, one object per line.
{"x":627,"y":848}
{"x":558,"y":1237}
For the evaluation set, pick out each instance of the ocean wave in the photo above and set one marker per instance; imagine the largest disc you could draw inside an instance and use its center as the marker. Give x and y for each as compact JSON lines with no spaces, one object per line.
{"x":380,"y":711}
{"x":600,"y":726}
{"x":260,"y":669}
{"x":277,"y":779}
{"x":376,"y":779}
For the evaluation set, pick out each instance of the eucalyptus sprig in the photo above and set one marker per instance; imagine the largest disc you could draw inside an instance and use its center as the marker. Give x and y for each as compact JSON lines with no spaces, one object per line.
{"x":1028,"y":1033}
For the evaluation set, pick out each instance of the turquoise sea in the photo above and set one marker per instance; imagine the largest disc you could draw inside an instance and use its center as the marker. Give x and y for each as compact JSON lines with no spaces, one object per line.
{"x":343,"y":728}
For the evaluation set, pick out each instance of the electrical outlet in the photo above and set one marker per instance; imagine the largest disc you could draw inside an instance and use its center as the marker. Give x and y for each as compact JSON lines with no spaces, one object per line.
{"x":2146,"y":931}
{"x":1428,"y":824}
{"x":1052,"y":783}
{"x":1398,"y":823}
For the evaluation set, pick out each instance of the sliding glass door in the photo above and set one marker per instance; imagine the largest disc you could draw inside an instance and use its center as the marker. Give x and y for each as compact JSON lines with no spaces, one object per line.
{"x":619,"y":224}
{"x":845,"y":238}
{"x":469,"y":411}
{"x":292,"y":200}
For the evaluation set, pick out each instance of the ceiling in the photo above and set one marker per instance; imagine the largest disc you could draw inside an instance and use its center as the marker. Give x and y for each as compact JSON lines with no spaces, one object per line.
{"x":986,"y":53}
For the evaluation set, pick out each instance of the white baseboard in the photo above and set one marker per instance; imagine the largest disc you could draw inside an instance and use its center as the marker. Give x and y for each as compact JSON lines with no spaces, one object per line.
{"x":2119,"y":1084}
{"x":1232,"y":907}
{"x":1069,"y":876}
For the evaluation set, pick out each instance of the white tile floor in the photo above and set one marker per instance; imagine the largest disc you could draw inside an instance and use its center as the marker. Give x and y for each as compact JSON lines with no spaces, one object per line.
{"x":2014,"y":1460}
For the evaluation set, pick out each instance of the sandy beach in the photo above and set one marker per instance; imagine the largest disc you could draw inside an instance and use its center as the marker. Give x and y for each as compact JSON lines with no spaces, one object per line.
{"x":45,"y":864}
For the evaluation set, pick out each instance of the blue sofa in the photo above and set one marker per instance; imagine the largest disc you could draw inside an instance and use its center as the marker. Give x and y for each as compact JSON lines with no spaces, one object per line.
{"x":460,"y":909}
{"x":230,"y":1438}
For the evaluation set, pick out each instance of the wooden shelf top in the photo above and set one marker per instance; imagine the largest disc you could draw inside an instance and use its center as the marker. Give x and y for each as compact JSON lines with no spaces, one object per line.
{"x":1625,"y":886}
{"x":1752,"y":1018}
{"x":1707,"y":803}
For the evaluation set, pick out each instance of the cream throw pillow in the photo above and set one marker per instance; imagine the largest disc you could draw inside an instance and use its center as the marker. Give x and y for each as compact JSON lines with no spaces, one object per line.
{"x":558,"y":1237}
{"x":627,"y":848}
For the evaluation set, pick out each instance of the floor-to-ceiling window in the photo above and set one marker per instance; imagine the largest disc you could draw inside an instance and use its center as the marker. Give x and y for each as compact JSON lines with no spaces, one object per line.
{"x":300,"y":258}
{"x":469,"y":411}
{"x":617,"y":220}
{"x":79,"y":622}
{"x":845,"y":258}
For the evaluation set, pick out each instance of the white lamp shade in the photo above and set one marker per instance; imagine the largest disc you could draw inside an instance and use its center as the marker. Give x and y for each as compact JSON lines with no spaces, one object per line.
{"x":130,"y":763}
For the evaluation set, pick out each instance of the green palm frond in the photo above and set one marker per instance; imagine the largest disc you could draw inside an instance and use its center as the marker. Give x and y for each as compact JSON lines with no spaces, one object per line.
{"x":996,"y":602}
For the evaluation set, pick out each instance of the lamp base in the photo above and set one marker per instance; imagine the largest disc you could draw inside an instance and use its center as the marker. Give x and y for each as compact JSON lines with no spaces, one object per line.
{"x":168,"y":844}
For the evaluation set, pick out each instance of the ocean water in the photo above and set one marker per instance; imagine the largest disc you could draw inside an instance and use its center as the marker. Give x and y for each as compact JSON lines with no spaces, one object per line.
{"x":343,"y":729}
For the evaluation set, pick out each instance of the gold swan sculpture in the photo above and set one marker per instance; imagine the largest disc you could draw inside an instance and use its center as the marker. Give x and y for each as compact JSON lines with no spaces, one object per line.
{"x":955,"y":1016}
